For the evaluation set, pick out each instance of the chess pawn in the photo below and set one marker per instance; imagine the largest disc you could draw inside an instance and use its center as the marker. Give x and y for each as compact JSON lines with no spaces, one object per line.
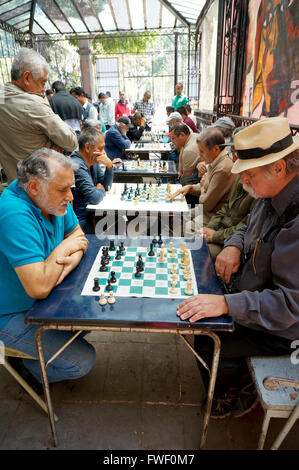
{"x":187,"y":276}
{"x":172,"y":254}
{"x":170,"y":246}
{"x":114,"y":191}
{"x":161,"y":258}
{"x":174,"y":278}
{"x":136,"y":201}
{"x":174,"y":269}
{"x":189,"y":290}
{"x":111,"y":298}
{"x":173,"y":289}
{"x":102,"y":300}
{"x":108,"y":190}
{"x":183,"y":247}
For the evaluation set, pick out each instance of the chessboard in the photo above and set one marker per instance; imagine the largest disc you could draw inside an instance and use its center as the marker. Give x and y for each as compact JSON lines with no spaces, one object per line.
{"x":150,"y":166}
{"x":157,"y":271}
{"x":142,"y":197}
{"x":149,"y":147}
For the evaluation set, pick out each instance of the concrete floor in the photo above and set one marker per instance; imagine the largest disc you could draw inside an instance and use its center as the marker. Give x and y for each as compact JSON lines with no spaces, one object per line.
{"x":144,"y":393}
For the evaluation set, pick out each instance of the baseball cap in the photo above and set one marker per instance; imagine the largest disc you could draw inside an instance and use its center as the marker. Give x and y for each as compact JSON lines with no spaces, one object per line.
{"x":174,"y":115}
{"x":125,"y":120}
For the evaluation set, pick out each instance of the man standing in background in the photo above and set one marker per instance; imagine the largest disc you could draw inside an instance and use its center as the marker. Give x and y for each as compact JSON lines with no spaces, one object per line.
{"x":179,"y":99}
{"x":146,"y":108}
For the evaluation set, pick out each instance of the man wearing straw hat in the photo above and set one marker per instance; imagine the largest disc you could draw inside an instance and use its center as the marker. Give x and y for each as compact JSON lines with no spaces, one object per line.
{"x":258,"y":266}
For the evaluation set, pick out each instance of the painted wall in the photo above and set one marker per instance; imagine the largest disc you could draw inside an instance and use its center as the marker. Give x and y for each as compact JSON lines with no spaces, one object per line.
{"x":208,"y":58}
{"x":271,"y":79}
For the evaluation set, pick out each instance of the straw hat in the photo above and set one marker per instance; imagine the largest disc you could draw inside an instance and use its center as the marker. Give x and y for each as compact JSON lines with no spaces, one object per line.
{"x":264,"y":142}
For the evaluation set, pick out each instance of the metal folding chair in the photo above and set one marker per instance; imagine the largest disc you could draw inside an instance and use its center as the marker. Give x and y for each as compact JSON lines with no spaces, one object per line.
{"x":9,"y":352}
{"x":277,"y":383}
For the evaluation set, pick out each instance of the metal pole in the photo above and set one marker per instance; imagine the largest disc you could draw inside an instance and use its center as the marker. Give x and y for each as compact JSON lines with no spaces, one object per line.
{"x":175,"y":59}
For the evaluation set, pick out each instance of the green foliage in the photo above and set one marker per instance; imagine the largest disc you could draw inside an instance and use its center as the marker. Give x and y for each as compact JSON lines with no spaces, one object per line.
{"x":133,"y":43}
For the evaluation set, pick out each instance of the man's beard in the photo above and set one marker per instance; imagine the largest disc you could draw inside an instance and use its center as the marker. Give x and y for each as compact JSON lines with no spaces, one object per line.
{"x":43,"y":203}
{"x":250,"y":191}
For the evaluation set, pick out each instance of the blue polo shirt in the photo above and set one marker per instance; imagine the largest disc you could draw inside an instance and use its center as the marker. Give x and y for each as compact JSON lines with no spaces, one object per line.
{"x":25,"y":237}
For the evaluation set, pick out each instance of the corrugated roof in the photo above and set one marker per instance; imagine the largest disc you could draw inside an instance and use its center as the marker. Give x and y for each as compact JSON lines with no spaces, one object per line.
{"x":98,"y":16}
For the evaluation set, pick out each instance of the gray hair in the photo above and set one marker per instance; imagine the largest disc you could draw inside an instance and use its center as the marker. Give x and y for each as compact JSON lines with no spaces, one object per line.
{"x":28,"y":60}
{"x":292,"y":164}
{"x":210,"y":137}
{"x":89,"y":136}
{"x":179,"y":128}
{"x":91,"y":123}
{"x":38,"y":166}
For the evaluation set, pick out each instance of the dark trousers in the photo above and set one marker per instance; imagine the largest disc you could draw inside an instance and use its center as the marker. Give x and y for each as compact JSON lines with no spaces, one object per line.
{"x":235,"y":348}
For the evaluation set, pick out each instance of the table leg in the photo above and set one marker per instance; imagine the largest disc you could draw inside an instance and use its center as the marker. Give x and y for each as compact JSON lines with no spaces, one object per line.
{"x":211,"y":389}
{"x":40,"y":351}
{"x":213,"y":375}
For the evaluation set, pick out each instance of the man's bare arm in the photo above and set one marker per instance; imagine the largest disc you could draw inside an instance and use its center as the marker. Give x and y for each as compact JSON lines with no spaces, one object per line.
{"x":38,"y":279}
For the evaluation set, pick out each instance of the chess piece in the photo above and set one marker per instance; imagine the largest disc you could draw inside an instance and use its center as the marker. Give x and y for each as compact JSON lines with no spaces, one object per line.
{"x":111,"y":245}
{"x":183,"y":247}
{"x":173,"y":254}
{"x":108,"y":286}
{"x":173,"y":289}
{"x":174,"y":269}
{"x":151,"y":252}
{"x":108,"y":190}
{"x":111,"y":298}
{"x":170,"y":246}
{"x":135,"y":200}
{"x":102,"y":300}
{"x":161,"y":258}
{"x":96,"y":286}
{"x":113,"y":278}
{"x":189,"y":290}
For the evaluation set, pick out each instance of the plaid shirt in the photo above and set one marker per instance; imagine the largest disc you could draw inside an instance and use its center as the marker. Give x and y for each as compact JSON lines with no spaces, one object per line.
{"x":146,"y":108}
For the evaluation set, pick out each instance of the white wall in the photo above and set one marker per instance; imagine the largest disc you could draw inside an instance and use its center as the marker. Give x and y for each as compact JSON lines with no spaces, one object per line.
{"x":208,"y":58}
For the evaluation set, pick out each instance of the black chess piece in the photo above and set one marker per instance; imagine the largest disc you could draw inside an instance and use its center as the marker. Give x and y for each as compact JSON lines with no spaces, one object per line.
{"x":138,"y":272}
{"x":160,"y":241}
{"x":113,"y":278}
{"x":125,"y":188}
{"x":154,"y":241}
{"x":123,"y":167}
{"x":118,"y":255}
{"x":151,"y":252}
{"x":112,"y":245}
{"x":108,"y":286}
{"x":121,"y":247}
{"x":96,"y":286}
{"x":103,"y":268}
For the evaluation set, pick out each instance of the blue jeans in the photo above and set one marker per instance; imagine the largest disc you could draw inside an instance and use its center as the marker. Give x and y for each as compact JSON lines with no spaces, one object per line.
{"x":74,"y":362}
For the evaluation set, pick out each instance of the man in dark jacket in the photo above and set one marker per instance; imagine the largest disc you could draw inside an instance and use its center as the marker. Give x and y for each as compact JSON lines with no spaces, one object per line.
{"x":66,"y":106}
{"x":137,"y":126}
{"x":116,"y":140}
{"x":259,"y":266}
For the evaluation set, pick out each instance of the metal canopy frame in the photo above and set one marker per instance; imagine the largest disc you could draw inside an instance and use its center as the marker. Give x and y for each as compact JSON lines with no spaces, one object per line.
{"x":94,"y":17}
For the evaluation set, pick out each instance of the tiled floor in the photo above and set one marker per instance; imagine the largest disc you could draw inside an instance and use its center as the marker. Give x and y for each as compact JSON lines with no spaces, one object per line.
{"x":144,"y":393}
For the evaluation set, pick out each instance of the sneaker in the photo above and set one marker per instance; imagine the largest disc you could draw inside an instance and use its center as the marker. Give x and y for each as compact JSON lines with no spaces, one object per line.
{"x":247,"y":400}
{"x":223,"y":405}
{"x":17,"y":364}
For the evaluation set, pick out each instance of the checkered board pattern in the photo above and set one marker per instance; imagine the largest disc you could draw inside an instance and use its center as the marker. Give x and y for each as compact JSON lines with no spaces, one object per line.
{"x":155,"y":280}
{"x":162,"y":191}
{"x":146,"y":165}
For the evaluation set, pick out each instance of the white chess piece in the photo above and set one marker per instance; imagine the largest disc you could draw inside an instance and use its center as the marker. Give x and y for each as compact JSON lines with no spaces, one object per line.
{"x":102,"y":300}
{"x":111,"y":298}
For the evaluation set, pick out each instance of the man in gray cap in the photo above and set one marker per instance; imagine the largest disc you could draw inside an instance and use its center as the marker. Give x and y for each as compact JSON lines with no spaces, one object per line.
{"x":258,"y":265}
{"x":226,"y":126}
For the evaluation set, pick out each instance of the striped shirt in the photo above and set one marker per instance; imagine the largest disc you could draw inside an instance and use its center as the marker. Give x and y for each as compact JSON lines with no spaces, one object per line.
{"x":146,"y":108}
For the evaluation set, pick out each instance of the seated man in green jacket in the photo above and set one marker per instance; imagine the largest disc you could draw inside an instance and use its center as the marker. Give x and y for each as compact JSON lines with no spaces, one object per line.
{"x":232,"y":215}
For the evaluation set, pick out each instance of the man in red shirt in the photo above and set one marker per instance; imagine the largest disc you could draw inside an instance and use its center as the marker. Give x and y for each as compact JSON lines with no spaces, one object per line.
{"x":187,"y":120}
{"x":122,"y":106}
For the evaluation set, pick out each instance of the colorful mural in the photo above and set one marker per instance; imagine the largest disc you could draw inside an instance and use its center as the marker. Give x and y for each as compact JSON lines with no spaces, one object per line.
{"x":271,"y":82}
